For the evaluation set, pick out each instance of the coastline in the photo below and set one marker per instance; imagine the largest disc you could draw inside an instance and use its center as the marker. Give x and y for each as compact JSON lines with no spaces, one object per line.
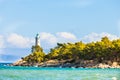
{"x":70,"y":64}
{"x":102,"y":54}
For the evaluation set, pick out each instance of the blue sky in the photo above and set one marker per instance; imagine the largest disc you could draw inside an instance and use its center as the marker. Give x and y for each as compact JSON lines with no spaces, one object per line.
{"x":55,"y":21}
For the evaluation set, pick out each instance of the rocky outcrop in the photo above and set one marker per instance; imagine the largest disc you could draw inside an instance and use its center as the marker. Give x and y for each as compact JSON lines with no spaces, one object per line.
{"x":71,"y":63}
{"x":20,"y":63}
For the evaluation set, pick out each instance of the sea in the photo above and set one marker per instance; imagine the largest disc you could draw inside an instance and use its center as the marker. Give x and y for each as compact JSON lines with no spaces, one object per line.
{"x":38,"y":73}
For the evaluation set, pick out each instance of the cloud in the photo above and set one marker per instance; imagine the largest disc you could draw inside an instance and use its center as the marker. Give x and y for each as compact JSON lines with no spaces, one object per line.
{"x":93,"y":37}
{"x":19,"y":41}
{"x":66,"y":35}
{"x":54,"y":38}
{"x":49,"y":40}
{"x":14,"y":45}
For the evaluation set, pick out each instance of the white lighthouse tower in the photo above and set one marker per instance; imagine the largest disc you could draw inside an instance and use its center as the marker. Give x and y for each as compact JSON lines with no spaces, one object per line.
{"x":37,"y":40}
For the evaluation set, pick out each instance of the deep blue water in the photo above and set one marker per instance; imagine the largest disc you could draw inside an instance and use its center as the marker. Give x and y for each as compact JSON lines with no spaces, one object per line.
{"x":37,"y":73}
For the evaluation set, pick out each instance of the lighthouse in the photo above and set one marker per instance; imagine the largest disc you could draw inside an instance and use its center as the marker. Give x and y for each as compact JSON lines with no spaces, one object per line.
{"x":37,"y":40}
{"x":37,"y":43}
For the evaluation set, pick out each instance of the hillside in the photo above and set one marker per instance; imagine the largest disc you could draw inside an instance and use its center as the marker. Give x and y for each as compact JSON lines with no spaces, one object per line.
{"x":104,"y":53}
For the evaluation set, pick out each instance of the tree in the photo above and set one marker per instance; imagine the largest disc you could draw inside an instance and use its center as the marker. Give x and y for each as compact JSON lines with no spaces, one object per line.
{"x":36,"y":56}
{"x":100,"y":50}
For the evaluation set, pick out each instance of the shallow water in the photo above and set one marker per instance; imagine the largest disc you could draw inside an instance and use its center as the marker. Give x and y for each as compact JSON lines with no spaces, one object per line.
{"x":35,"y":73}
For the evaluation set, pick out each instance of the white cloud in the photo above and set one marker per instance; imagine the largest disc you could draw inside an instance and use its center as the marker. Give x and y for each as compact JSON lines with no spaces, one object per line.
{"x":19,"y":41}
{"x":49,"y":40}
{"x":97,"y":37}
{"x":48,"y":37}
{"x":66,"y":35}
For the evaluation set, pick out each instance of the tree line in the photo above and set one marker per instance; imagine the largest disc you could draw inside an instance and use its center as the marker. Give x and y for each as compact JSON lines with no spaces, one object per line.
{"x":101,"y":50}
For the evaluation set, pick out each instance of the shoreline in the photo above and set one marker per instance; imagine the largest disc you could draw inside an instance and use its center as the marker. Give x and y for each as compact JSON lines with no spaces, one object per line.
{"x":70,"y":64}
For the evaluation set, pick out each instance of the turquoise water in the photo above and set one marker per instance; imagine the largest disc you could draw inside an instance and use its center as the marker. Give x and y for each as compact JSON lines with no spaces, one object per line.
{"x":35,"y":73}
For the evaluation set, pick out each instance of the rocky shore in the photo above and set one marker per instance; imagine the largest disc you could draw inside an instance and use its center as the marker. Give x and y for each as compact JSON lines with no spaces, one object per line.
{"x":71,"y":63}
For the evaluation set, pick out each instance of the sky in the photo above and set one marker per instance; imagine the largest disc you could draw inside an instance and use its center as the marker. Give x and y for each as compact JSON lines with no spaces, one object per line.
{"x":56,"y":21}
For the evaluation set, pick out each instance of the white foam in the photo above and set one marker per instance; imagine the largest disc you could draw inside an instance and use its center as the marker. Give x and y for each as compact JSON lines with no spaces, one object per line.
{"x":114,"y":78}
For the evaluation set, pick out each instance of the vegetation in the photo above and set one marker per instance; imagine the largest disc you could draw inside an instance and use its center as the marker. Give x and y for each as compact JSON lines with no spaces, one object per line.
{"x":100,"y":50}
{"x":36,"y":56}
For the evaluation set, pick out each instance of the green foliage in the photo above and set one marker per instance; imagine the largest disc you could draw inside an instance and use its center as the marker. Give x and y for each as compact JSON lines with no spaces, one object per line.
{"x":102,"y":50}
{"x":36,"y":56}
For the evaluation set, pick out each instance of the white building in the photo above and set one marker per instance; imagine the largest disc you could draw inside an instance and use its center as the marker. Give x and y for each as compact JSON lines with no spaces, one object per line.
{"x":37,"y":40}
